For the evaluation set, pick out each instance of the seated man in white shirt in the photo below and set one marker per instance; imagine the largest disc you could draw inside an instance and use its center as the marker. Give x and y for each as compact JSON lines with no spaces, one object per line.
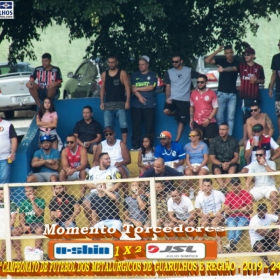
{"x":264,"y":186}
{"x":264,"y":240}
{"x":209,"y":205}
{"x":180,"y":209}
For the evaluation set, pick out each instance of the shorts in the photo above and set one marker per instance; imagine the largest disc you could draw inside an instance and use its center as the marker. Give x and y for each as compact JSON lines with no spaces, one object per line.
{"x":210,"y":131}
{"x":268,"y":243}
{"x":214,"y":166}
{"x":43,"y":93}
{"x":246,"y":104}
{"x":182,"y":109}
{"x":126,"y":170}
{"x":75,"y":176}
{"x":277,"y":106}
{"x":45,"y":176}
{"x":203,"y":167}
{"x":34,"y":226}
{"x":90,"y":148}
{"x":261,"y":192}
{"x":52,"y":134}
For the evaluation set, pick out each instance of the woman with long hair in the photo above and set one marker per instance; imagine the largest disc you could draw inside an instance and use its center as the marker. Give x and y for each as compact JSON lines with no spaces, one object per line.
{"x":146,"y":156}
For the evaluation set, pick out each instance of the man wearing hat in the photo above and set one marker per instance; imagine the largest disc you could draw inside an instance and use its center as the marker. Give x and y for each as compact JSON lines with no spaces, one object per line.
{"x":238,"y":207}
{"x":264,"y":240}
{"x":275,"y":77}
{"x":46,"y":161}
{"x":257,"y":117}
{"x":251,"y":75}
{"x":263,"y":141}
{"x":143,"y":101}
{"x":117,"y":151}
{"x":170,"y":151}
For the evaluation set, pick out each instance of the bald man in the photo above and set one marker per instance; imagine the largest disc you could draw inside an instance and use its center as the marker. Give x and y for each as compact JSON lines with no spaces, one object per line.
{"x":160,"y":170}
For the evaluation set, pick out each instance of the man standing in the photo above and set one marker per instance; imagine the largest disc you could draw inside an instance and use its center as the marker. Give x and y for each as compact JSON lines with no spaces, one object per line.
{"x":259,"y":118}
{"x":8,"y":147}
{"x":74,"y":162}
{"x":88,"y":131}
{"x":178,"y":88}
{"x":117,"y":150}
{"x":224,"y":155}
{"x":264,"y":186}
{"x":47,"y":161}
{"x":115,"y":96}
{"x":143,"y":101}
{"x":204,"y":106}
{"x":275,"y":77}
{"x":251,"y":75}
{"x":64,"y":208}
{"x":172,"y":152}
{"x":49,"y":80}
{"x":228,"y":69}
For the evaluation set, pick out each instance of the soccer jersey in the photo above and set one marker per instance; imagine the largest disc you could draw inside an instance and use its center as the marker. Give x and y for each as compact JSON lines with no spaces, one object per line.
{"x":27,"y":209}
{"x":74,"y":159}
{"x":175,"y":153}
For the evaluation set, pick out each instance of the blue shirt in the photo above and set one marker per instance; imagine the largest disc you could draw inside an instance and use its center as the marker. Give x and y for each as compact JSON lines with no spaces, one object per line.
{"x":176,"y":152}
{"x":143,"y":80}
{"x":54,"y":154}
{"x":196,"y":155}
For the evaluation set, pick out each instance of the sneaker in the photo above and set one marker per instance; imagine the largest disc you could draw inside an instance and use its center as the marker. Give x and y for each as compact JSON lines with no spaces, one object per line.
{"x":230,"y":247}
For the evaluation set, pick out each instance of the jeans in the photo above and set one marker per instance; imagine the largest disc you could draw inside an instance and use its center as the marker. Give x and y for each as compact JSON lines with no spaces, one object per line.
{"x":226,"y":101}
{"x":5,"y":171}
{"x":235,"y":235}
{"x":110,"y":116}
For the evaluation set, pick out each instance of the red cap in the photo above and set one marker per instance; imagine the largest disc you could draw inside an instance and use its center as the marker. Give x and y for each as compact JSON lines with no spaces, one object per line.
{"x":165,"y":134}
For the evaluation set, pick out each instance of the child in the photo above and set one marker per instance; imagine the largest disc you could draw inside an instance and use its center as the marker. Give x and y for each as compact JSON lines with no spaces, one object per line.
{"x":47,"y":122}
{"x":146,"y":156}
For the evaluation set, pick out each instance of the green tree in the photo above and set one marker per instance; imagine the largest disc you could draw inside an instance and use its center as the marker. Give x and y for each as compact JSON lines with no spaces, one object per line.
{"x":130,"y":28}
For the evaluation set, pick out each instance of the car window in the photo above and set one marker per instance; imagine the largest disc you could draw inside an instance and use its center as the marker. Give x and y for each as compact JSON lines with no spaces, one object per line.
{"x":15,"y":68}
{"x":82,"y":70}
{"x":4,"y":69}
{"x":92,"y":71}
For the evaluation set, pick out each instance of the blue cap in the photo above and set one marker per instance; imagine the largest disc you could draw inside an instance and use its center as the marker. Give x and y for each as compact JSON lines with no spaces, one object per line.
{"x":45,"y":138}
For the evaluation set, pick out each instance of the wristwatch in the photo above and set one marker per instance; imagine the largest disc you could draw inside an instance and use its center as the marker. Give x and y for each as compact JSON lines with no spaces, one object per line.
{"x":265,"y":164}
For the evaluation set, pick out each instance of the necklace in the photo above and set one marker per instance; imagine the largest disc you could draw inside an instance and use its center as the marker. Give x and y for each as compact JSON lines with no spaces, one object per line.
{"x":168,"y":153}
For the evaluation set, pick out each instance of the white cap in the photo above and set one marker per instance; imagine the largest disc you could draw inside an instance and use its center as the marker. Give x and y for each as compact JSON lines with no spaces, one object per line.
{"x":145,"y":57}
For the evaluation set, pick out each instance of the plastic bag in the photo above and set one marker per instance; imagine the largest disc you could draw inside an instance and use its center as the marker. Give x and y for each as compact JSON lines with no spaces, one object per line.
{"x":31,"y":254}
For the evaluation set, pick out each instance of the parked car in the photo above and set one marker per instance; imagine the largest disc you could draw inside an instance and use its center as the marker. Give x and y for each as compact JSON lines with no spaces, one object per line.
{"x":85,"y":82}
{"x":14,"y":95}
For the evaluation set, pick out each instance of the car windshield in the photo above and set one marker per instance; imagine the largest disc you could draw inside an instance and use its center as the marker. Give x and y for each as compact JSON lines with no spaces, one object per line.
{"x":15,"y":68}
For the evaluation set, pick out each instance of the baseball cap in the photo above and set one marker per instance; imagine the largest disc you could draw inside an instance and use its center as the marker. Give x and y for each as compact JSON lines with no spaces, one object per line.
{"x":235,"y":181}
{"x":250,"y":51}
{"x":108,"y":129}
{"x":165,"y":134}
{"x":257,"y":127}
{"x":262,"y":207}
{"x":145,"y":57}
{"x":45,"y":138}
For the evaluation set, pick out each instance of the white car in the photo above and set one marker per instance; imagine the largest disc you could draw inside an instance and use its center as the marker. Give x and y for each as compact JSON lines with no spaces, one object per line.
{"x":14,"y":94}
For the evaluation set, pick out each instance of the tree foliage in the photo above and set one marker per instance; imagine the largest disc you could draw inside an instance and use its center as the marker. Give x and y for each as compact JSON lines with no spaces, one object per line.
{"x":130,"y":28}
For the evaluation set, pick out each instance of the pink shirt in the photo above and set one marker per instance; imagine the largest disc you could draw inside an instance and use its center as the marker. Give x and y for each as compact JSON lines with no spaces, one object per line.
{"x":203,"y":104}
{"x":235,"y":201}
{"x":48,"y":117}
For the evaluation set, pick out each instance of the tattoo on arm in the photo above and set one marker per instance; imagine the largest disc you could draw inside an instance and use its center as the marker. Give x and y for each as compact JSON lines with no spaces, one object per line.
{"x":269,"y":122}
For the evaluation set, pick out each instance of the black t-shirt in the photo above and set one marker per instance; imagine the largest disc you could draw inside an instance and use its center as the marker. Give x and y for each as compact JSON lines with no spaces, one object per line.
{"x":275,"y":65}
{"x":168,"y":171}
{"x":227,"y":80}
{"x":105,"y":208}
{"x":66,"y":207}
{"x":87,"y":131}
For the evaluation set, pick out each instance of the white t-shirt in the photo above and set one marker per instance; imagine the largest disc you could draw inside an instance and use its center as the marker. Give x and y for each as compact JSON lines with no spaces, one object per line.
{"x":212,"y":203}
{"x":256,"y":221}
{"x":262,"y":181}
{"x":111,"y":173}
{"x":182,"y":209}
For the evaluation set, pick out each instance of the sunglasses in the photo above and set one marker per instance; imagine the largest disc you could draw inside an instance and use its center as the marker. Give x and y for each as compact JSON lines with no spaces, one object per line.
{"x":259,"y":155}
{"x":254,"y":110}
{"x":108,"y":134}
{"x":200,"y":82}
{"x":247,"y":54}
{"x":192,"y":135}
{"x":70,"y":142}
{"x":175,"y":61}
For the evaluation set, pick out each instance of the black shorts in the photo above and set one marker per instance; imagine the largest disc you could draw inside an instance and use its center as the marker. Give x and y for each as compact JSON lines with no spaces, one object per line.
{"x":43,"y":93}
{"x":268,"y":243}
{"x":214,"y":166}
{"x":210,"y":131}
{"x":182,"y":109}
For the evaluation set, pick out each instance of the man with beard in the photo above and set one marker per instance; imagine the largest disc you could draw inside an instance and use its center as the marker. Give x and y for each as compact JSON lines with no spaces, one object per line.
{"x":64,"y":208}
{"x":143,"y":101}
{"x":74,"y":162}
{"x":104,"y":171}
{"x":178,"y":89}
{"x":115,"y":96}
{"x":49,"y":80}
{"x":46,"y":160}
{"x":204,"y":106}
